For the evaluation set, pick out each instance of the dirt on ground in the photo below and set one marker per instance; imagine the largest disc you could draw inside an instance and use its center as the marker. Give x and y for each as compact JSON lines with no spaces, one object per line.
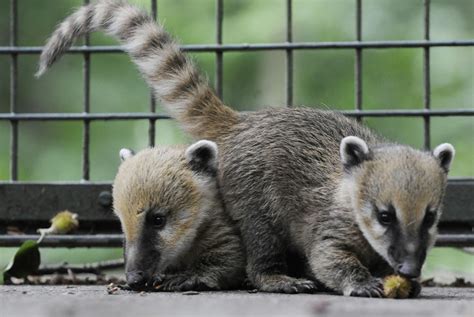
{"x":92,"y":301}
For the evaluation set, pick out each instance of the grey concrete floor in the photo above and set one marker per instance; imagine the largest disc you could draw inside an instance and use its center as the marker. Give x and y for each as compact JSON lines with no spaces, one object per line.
{"x":91,"y":301}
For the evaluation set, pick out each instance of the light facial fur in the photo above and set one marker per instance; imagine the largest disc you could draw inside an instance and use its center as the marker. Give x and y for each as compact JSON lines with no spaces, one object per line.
{"x":352,"y":205}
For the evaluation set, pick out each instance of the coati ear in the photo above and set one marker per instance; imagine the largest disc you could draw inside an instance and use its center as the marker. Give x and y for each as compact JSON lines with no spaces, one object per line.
{"x":353,"y":151}
{"x":125,"y":154}
{"x":445,"y":154}
{"x":202,"y":157}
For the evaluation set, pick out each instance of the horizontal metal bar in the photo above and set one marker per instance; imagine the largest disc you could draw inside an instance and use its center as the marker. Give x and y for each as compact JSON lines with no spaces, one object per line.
{"x":156,"y":116}
{"x":256,"y":46}
{"x":93,"y":201}
{"x":409,"y":113}
{"x":108,"y":183}
{"x":116,"y":240}
{"x":68,"y":241}
{"x":81,"y":116}
{"x":455,"y":240}
{"x":30,"y":203}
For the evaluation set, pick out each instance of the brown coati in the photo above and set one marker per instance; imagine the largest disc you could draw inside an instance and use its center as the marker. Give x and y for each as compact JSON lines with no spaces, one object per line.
{"x":311,"y":182}
{"x":177,"y":235}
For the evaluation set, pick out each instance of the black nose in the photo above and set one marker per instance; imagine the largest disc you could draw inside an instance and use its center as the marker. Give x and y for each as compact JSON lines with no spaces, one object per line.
{"x":136,"y":280}
{"x":409,"y":270}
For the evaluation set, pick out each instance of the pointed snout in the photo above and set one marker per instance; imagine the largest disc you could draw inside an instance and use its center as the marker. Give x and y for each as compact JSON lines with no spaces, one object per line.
{"x":409,"y":269}
{"x":140,"y":261}
{"x":137,"y":280}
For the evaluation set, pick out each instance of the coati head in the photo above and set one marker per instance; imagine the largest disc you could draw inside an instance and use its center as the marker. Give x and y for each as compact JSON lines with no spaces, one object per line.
{"x":396,"y":193}
{"x":162,"y":196}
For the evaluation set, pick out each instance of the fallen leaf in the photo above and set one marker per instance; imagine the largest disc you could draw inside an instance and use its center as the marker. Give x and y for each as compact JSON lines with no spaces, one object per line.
{"x":25,"y":261}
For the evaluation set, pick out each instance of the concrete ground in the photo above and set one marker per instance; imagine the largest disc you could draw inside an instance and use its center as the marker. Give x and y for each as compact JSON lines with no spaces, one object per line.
{"x":91,"y":301}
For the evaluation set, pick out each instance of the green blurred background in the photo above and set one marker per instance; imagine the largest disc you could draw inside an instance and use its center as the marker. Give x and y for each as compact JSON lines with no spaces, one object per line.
{"x":392,"y":79}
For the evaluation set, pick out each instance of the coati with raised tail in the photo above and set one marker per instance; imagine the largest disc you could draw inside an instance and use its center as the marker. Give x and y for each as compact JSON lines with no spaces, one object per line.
{"x":177,"y":235}
{"x":313,"y":182}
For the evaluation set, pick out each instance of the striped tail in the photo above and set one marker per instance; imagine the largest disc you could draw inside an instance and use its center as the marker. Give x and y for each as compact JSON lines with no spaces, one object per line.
{"x":172,"y":75}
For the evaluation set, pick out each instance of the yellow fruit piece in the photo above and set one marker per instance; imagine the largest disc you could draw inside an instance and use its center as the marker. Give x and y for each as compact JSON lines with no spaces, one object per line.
{"x":64,"y":222}
{"x":396,"y":286}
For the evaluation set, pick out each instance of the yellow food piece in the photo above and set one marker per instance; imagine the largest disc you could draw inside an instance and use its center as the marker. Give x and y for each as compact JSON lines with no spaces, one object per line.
{"x":396,"y":286}
{"x":64,"y":222}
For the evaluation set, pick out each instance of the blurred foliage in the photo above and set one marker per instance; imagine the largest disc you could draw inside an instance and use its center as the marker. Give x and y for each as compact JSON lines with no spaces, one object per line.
{"x":392,"y":78}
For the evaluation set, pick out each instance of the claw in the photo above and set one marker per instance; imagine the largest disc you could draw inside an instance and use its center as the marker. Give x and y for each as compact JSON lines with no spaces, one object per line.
{"x":179,"y":283}
{"x":286,"y":284}
{"x":370,"y":289}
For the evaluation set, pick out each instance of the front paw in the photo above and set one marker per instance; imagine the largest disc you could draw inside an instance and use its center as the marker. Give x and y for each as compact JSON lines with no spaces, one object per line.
{"x":372,"y":288}
{"x":180,"y":283}
{"x":285,"y":284}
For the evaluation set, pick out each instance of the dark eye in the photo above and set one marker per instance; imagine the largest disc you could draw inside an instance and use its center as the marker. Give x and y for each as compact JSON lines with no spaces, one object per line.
{"x":385,"y":217}
{"x":159,"y":221}
{"x":430,"y":218}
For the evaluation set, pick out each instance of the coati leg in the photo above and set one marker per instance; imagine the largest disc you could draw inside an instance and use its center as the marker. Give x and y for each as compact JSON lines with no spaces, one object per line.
{"x":213,"y":271}
{"x":340,"y":270}
{"x":266,"y":259}
{"x":219,"y":265}
{"x":182,"y":282}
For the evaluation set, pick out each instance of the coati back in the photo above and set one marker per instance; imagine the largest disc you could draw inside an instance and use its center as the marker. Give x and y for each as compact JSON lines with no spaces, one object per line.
{"x":313,"y":182}
{"x":177,"y":235}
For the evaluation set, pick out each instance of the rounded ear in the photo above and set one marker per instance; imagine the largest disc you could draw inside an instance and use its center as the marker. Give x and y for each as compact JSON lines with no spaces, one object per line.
{"x":445,"y":155}
{"x":202,"y":156}
{"x":353,"y":151}
{"x":125,"y":154}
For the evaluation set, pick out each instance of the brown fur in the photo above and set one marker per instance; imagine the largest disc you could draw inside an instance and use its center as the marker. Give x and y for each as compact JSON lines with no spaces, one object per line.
{"x":293,"y":179}
{"x":164,"y":181}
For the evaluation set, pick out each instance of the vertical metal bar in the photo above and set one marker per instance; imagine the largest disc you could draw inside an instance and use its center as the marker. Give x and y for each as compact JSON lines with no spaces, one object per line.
{"x":86,"y":109}
{"x":289,"y":55}
{"x":13,"y":91}
{"x":151,"y":127}
{"x":426,"y":77}
{"x":358,"y":59}
{"x":219,"y":54}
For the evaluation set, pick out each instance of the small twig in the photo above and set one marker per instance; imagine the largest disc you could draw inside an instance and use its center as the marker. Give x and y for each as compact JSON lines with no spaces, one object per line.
{"x":93,"y":268}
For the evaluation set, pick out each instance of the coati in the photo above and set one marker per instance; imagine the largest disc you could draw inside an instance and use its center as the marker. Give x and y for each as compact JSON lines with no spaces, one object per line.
{"x":353,"y":205}
{"x":177,"y":235}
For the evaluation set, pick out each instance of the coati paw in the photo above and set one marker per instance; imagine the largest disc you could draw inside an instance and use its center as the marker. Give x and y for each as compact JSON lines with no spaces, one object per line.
{"x":285,"y":284}
{"x":179,"y":283}
{"x":373,"y":288}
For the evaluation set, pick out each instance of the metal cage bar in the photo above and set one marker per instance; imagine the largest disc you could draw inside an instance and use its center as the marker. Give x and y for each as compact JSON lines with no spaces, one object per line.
{"x":151,"y":124}
{"x":289,"y":54}
{"x":219,"y":55}
{"x":243,"y":47}
{"x":426,"y":77}
{"x":13,"y":91}
{"x":86,"y":109}
{"x":116,"y":240}
{"x":358,"y":59}
{"x":156,"y":116}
